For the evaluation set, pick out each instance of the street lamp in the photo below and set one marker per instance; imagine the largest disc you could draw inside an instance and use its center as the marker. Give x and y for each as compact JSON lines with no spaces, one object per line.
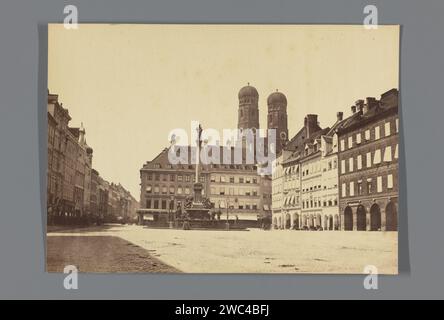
{"x":227,"y":223}
{"x":170,"y":220}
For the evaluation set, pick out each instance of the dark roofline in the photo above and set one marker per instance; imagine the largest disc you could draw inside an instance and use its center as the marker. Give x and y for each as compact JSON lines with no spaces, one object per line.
{"x":367,"y":120}
{"x":310,"y":156}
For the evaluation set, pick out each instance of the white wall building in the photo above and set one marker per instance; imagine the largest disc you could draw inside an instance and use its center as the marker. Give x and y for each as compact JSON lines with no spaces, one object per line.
{"x":277,"y":186}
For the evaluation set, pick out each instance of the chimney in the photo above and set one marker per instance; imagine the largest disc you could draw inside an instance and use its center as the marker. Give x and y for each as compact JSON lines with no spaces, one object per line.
{"x":360,"y":106}
{"x":370,"y":103}
{"x":339,"y":116}
{"x":353,"y":109}
{"x":311,"y":121}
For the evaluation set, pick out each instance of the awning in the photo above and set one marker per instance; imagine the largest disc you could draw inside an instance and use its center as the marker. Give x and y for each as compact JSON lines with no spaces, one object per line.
{"x":266,"y":207}
{"x":292,"y":199}
{"x":222,"y":205}
{"x":250,"y":216}
{"x":247,"y":216}
{"x":285,"y":201}
{"x":146,"y":211}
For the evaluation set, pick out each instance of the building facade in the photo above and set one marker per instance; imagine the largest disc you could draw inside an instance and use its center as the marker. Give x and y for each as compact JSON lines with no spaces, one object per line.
{"x":347,"y":174}
{"x":330,"y":180}
{"x":74,"y":188}
{"x":51,"y":174}
{"x":292,"y":193}
{"x":59,"y":118}
{"x":165,"y":188}
{"x":287,"y":178}
{"x":236,"y":191}
{"x":368,"y":157}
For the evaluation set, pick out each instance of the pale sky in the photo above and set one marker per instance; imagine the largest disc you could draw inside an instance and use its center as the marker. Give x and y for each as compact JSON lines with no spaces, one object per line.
{"x":131,"y":85}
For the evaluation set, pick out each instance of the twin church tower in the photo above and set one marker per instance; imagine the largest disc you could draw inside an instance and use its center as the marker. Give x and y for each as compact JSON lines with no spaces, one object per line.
{"x":248,"y":117}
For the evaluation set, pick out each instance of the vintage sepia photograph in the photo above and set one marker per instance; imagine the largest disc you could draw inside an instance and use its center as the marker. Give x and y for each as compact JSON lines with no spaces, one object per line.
{"x":194,"y":148}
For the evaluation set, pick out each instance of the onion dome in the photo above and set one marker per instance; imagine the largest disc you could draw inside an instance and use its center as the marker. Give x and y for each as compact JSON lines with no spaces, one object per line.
{"x":277,"y":98}
{"x":248,"y":91}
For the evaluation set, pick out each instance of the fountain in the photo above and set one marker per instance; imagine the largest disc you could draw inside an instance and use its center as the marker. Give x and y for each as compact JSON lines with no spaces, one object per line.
{"x":197,"y":208}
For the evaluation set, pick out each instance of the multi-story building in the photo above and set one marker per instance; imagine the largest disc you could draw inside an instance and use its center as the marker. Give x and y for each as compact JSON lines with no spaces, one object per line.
{"x":123,"y":205}
{"x":58,"y":204}
{"x":51,"y":177}
{"x":319,"y":179}
{"x":311,"y":181}
{"x":238,"y":192}
{"x":287,"y":176}
{"x":75,"y":192}
{"x":329,"y":190}
{"x":102,"y":200}
{"x":292,"y":192}
{"x":368,"y":157}
{"x":348,"y":174}
{"x":234,"y":189}
{"x":94,"y":194}
{"x":278,"y":196}
{"x":77,"y":155}
{"x":165,"y":187}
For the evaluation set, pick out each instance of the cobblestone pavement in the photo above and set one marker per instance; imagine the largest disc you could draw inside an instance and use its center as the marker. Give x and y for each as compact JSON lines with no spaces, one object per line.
{"x":258,"y":251}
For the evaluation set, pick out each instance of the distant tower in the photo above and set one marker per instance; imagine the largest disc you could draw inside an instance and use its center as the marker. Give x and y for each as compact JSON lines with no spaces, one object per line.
{"x":277,"y":118}
{"x":82,"y":133}
{"x":248,"y":108}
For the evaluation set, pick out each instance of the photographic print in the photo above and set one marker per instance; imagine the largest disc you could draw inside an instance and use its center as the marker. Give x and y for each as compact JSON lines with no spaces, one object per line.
{"x":193,"y":148}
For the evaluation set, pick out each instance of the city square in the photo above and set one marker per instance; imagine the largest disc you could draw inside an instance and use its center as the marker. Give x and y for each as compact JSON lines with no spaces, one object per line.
{"x":306,"y":181}
{"x":251,"y":251}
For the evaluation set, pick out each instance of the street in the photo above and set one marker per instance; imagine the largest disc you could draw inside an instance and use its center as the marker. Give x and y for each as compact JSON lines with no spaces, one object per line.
{"x":253,"y":251}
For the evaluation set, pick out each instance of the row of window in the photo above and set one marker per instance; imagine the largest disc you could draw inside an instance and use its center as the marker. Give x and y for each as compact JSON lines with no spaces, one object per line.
{"x":316,"y":167}
{"x":167,"y":204}
{"x":317,"y":203}
{"x":388,"y":156}
{"x":169,"y":190}
{"x":319,"y":187}
{"x":172,"y":177}
{"x":212,"y":166}
{"x":357,"y":187}
{"x":159,"y":204}
{"x":233,"y":192}
{"x":367,"y":134}
{"x":233,"y":180}
{"x":236,"y":206}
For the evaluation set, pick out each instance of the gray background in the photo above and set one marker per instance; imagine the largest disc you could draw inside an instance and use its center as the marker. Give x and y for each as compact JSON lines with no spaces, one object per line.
{"x":23,"y":41}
